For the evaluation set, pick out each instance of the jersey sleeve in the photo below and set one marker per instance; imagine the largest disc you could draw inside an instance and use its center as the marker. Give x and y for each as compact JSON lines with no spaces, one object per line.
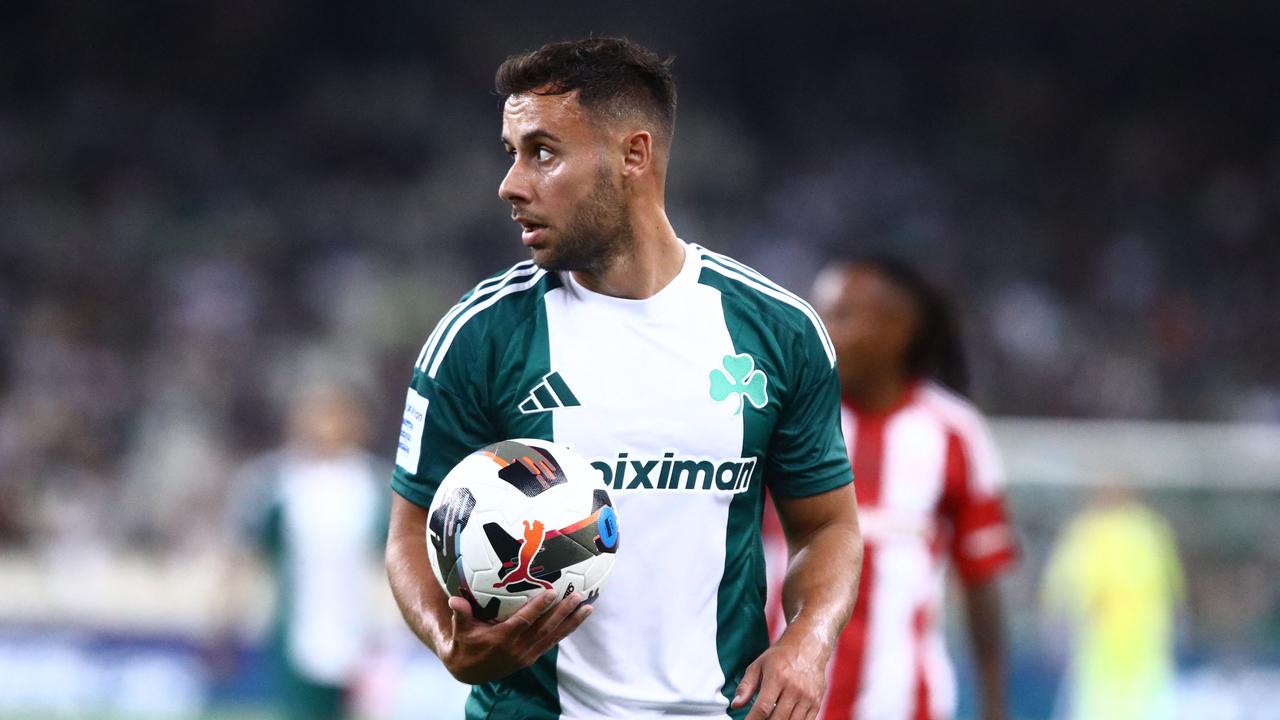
{"x":444,"y":421}
{"x":252,"y":505}
{"x":806,"y":452}
{"x":983,"y":541}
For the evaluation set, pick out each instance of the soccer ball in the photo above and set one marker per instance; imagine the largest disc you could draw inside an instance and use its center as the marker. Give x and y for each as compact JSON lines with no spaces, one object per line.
{"x":518,"y":518}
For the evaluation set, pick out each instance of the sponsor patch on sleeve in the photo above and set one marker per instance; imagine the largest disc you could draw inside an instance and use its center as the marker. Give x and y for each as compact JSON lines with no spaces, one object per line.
{"x":410,"y":445}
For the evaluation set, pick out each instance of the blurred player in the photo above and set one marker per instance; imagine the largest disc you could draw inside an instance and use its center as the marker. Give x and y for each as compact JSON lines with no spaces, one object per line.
{"x":315,"y":511}
{"x":928,"y":484}
{"x":644,"y":352}
{"x":1114,"y":575}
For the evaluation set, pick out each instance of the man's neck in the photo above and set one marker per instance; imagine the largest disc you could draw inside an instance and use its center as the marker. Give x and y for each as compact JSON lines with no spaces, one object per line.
{"x":652,"y":262}
{"x":880,"y":394}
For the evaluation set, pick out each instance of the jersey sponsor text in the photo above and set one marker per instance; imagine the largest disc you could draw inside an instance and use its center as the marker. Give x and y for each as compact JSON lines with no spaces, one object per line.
{"x":673,"y":472}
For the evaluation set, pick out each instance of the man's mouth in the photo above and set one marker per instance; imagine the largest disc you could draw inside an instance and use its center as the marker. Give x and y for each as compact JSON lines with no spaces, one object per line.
{"x":532,"y":231}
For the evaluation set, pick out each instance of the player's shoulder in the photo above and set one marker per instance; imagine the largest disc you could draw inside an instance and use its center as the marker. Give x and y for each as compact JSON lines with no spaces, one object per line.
{"x":508,"y":294}
{"x":951,"y":409}
{"x":254,"y":489}
{"x":507,"y":276}
{"x":763,"y":299}
{"x":744,"y":284}
{"x":261,"y":469}
{"x":493,"y":308}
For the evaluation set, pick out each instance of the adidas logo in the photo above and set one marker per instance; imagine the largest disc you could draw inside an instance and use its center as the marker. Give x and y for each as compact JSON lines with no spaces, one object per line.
{"x":550,"y":394}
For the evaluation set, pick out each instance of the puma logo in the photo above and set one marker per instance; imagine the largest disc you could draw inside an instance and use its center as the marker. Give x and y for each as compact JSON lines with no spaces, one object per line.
{"x":529,"y":549}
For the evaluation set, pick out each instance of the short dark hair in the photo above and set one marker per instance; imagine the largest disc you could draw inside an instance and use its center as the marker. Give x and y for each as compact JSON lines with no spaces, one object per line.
{"x":613,"y":76}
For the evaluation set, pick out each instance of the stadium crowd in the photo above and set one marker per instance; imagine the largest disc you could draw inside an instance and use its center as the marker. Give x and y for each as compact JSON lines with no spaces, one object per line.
{"x":184,"y":243}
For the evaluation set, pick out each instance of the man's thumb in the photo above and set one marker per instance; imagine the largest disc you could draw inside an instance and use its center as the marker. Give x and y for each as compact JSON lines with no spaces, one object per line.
{"x":461,"y":611}
{"x":747,"y":688}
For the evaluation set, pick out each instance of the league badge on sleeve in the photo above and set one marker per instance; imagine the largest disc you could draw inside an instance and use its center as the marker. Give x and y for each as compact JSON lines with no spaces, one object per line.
{"x":410,"y":444}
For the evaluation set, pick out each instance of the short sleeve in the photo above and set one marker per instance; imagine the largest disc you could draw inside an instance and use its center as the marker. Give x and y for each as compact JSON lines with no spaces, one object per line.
{"x":807,"y":455}
{"x":444,"y":421}
{"x":983,"y":542}
{"x":253,"y":505}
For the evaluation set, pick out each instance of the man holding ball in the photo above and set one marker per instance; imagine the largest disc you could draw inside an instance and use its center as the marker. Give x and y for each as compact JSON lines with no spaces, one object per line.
{"x":690,"y":381}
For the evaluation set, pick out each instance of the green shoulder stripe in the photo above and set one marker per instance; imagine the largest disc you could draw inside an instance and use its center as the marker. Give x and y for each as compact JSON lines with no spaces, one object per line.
{"x":482,"y":290}
{"x":448,"y":329}
{"x":745,"y":276}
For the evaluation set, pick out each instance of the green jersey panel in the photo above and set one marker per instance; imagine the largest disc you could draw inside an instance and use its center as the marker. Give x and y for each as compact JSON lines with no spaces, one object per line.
{"x":464,"y":396}
{"x":801,"y":440}
{"x":461,"y":397}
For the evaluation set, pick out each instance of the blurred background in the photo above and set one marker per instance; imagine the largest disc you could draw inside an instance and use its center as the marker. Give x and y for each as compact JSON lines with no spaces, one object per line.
{"x":208,"y":210}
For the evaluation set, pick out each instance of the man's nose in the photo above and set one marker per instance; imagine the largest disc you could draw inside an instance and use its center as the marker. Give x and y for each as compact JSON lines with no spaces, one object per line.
{"x":514,"y":188}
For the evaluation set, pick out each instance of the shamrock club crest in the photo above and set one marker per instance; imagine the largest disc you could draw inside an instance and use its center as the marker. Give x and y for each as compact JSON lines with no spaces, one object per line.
{"x":740,"y":379}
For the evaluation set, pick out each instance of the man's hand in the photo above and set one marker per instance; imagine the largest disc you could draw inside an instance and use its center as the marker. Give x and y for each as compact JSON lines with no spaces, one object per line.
{"x":473,"y":651}
{"x":478,"y":652}
{"x":790,"y":680}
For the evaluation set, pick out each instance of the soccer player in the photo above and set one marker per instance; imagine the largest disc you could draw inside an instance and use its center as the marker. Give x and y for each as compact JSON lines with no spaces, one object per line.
{"x":690,"y":380}
{"x":1115,"y":576}
{"x":928,"y":490}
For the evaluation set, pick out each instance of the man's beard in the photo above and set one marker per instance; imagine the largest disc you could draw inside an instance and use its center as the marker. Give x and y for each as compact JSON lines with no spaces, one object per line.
{"x":597,"y":234}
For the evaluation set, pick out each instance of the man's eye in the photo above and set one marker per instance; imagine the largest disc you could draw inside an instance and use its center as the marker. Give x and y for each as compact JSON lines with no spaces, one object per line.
{"x":544,"y":154}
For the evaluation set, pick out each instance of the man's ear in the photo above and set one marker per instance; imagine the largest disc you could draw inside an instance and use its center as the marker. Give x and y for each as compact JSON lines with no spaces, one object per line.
{"x":637,"y":159}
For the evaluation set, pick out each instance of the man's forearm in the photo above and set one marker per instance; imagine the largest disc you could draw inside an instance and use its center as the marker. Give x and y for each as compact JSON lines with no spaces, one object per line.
{"x":422,"y":601}
{"x":822,"y":583}
{"x":986,"y":630}
{"x":817,"y":596}
{"x":411,"y":587}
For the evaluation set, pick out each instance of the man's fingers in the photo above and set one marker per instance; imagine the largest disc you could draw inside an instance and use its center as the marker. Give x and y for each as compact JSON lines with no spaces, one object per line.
{"x":785,"y":708}
{"x":766,"y":701}
{"x":578,"y":616}
{"x":799,"y":711}
{"x":552,"y":618}
{"x":747,"y":688}
{"x":464,"y":617}
{"x":528,"y":614}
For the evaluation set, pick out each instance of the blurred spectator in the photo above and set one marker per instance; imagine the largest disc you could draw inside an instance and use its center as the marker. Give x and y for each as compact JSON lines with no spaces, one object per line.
{"x":316,"y":510}
{"x":1114,"y":575}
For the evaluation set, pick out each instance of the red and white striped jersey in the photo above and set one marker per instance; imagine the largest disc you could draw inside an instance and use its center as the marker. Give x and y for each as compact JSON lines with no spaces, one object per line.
{"x":928,"y":481}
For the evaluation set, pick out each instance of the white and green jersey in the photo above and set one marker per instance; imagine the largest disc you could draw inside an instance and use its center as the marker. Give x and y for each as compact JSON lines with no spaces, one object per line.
{"x":688,"y":403}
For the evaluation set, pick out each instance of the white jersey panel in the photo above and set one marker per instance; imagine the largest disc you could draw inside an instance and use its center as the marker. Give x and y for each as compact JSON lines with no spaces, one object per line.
{"x":911,"y":475}
{"x":640,"y":372}
{"x":891,"y":641}
{"x":329,"y":512}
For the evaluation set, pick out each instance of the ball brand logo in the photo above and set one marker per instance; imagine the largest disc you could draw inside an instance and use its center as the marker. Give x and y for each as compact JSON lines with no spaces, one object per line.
{"x":530,"y":546}
{"x":537,"y":559}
